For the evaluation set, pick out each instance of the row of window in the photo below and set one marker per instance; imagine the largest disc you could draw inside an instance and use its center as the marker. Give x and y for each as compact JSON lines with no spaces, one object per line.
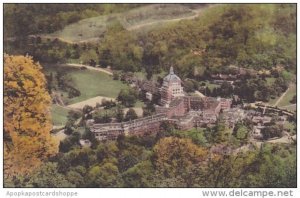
{"x":176,"y":91}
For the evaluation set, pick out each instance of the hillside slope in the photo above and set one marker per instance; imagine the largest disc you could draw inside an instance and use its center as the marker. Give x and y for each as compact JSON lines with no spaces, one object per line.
{"x":92,"y":29}
{"x":258,"y":36}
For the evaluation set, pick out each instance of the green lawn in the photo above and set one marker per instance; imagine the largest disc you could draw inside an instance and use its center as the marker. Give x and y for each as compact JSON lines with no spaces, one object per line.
{"x":139,"y":104}
{"x":273,"y":101}
{"x":210,"y":85}
{"x":89,"y":83}
{"x":59,"y":115}
{"x":288,"y":97}
{"x":93,"y":83}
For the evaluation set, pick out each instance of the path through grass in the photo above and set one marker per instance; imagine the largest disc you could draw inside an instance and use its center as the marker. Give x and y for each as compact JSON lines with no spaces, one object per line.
{"x":92,"y":29}
{"x":288,"y":96}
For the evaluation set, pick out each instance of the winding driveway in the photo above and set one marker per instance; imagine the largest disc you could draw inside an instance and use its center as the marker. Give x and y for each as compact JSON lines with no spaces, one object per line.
{"x":90,"y":68}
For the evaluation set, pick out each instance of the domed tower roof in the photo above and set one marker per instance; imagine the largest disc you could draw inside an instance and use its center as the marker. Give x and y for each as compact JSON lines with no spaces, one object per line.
{"x":171,"y":76}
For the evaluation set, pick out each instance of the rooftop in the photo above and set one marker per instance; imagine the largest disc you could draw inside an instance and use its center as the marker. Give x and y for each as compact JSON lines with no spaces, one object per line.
{"x":171,"y":76}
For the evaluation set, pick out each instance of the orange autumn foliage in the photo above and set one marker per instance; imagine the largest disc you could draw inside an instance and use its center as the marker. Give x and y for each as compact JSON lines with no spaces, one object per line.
{"x":27,"y":121}
{"x":174,"y":156}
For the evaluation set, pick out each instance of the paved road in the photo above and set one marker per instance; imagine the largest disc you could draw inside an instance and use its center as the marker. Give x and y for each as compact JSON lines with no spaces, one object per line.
{"x":287,"y":139}
{"x":91,"y":102}
{"x":90,"y":68}
{"x":197,"y":13}
{"x":135,"y":27}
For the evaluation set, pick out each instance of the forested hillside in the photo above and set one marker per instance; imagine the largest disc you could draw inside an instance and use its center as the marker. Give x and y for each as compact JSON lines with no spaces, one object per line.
{"x":162,"y":161}
{"x":259,"y":36}
{"x":255,"y":36}
{"x":22,"y":20}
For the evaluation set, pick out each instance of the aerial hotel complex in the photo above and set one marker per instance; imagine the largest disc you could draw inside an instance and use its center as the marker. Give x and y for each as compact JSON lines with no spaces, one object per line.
{"x":185,"y":112}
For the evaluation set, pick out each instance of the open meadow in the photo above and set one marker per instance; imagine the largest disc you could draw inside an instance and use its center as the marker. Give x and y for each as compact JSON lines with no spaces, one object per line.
{"x":92,"y":29}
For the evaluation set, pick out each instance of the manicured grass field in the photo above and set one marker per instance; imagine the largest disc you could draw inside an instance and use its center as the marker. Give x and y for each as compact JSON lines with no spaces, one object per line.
{"x":59,"y":115}
{"x":91,"y":84}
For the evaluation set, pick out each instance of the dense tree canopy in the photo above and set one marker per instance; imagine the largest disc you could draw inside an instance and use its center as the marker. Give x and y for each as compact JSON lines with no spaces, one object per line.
{"x":130,"y":115}
{"x":166,"y":162}
{"x":259,"y":36}
{"x":27,"y":123}
{"x":178,"y":159}
{"x":24,"y":19}
{"x":128,"y":97}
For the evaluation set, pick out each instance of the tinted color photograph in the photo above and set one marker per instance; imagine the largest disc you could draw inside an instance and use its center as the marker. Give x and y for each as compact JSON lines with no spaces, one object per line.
{"x":149,"y":95}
